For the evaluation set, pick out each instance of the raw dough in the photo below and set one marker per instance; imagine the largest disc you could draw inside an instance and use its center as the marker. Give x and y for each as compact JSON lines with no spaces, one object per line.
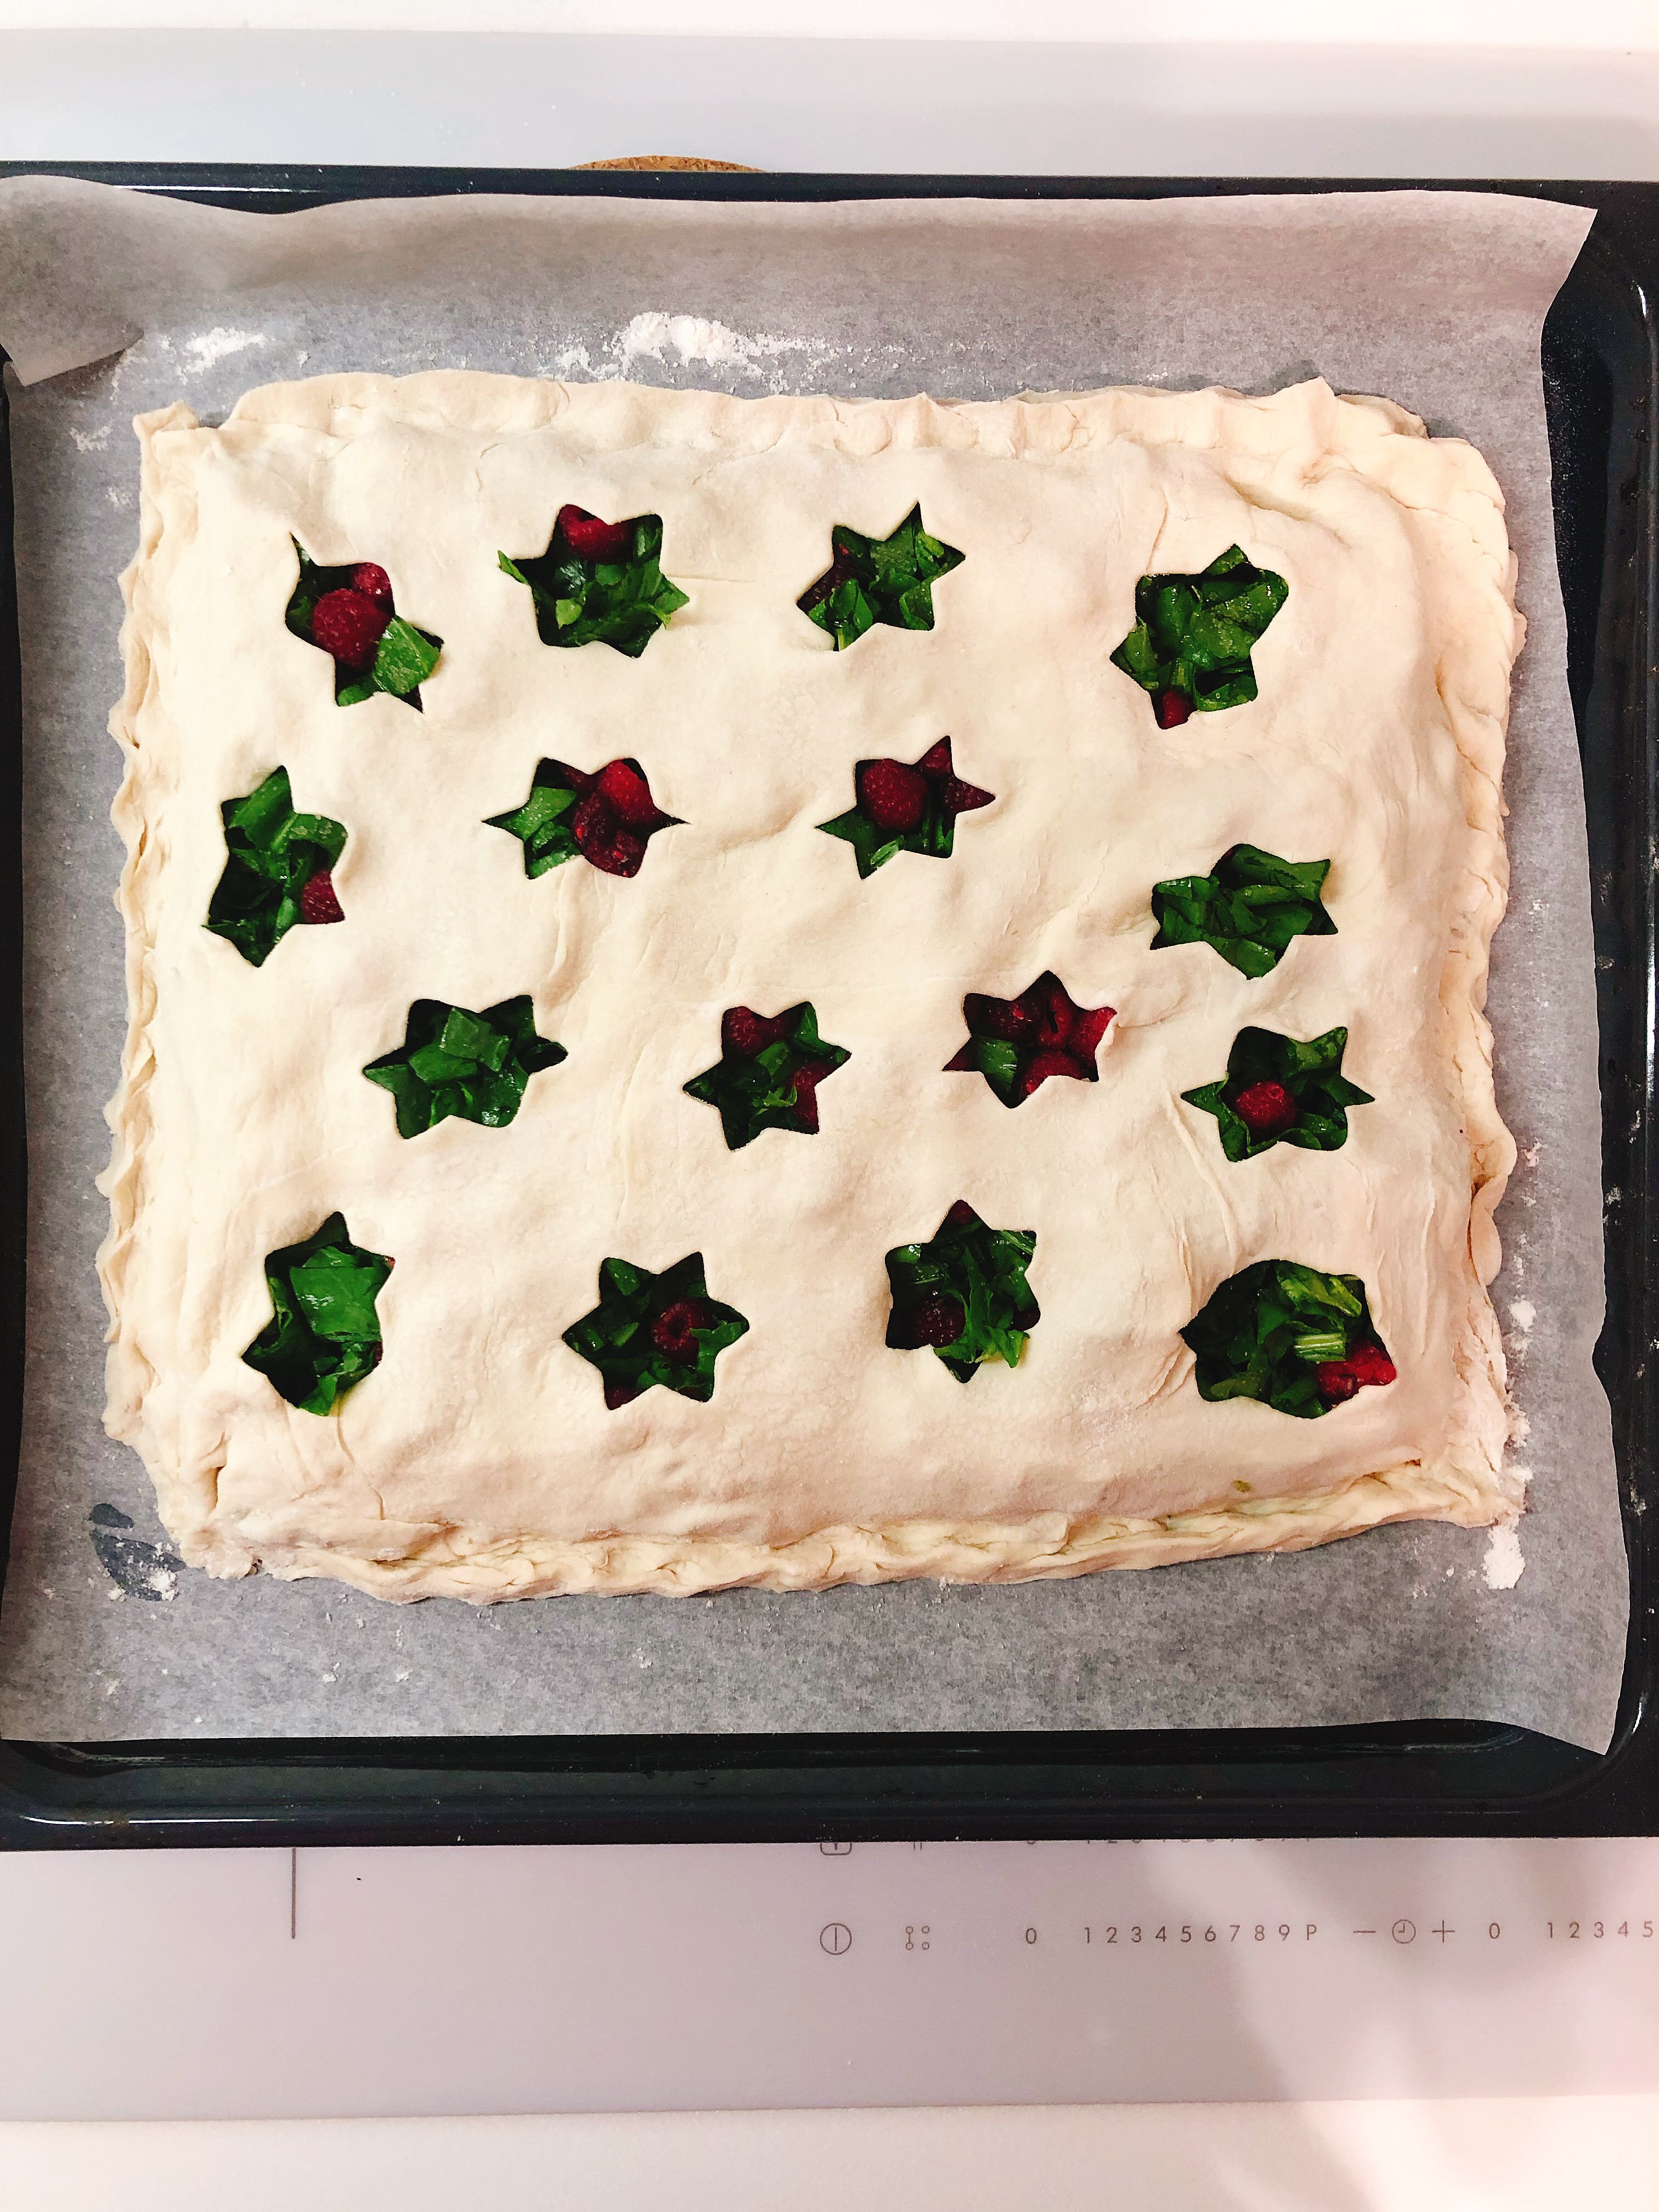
{"x":478,"y":1461}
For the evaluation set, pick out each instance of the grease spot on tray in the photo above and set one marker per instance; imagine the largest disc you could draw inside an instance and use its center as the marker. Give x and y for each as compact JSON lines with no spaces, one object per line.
{"x":137,"y":1568}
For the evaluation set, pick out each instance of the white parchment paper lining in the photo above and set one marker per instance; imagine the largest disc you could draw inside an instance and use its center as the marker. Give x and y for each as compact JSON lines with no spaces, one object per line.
{"x":111,"y":302}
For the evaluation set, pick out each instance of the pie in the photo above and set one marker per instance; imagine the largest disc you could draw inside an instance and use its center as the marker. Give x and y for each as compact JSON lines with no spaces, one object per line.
{"x":793,"y":991}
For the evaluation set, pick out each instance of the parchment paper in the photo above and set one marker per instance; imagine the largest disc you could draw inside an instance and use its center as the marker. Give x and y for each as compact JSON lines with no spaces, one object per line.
{"x":116,"y":303}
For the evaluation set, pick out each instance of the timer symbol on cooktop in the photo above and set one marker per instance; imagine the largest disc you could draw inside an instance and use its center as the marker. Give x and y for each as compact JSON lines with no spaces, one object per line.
{"x":835,"y":1939}
{"x":1403,"y":1931}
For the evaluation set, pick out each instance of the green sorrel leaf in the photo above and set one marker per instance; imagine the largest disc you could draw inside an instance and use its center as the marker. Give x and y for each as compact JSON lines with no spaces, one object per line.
{"x":403,"y":659}
{"x":879,"y":579}
{"x":1310,"y":1072}
{"x":473,"y":1066}
{"x":324,"y":1335}
{"x":580,"y":601}
{"x":1267,"y":1330}
{"x":980,"y":1272}
{"x":649,"y":1330}
{"x":1250,"y":909}
{"x":761,"y":1090}
{"x":1193,"y":634}
{"x":271,"y":854}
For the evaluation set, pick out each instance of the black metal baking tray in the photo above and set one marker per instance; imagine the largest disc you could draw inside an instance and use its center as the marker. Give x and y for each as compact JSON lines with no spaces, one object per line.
{"x":1601,"y":375}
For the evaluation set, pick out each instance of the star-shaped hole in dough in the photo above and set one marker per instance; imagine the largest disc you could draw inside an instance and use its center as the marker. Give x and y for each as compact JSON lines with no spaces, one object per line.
{"x":452,"y":1060}
{"x":608,"y":816}
{"x":655,"y":1329}
{"x":324,"y":1335}
{"x":348,"y":612}
{"x":1250,"y":908}
{"x":964,"y":1295}
{"x":1017,"y":1044}
{"x":278,"y":870}
{"x":769,"y":1072}
{"x":1295,"y":1338}
{"x":879,"y":579}
{"x":1190,"y":646}
{"x":1278,"y":1089}
{"x":906,"y":807}
{"x":598,"y":583}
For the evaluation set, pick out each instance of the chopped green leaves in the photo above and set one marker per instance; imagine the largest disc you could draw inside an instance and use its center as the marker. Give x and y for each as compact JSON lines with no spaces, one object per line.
{"x":964,"y":1295}
{"x":347,"y":612}
{"x":454,"y":1061}
{"x":324,"y":1334}
{"x":599,"y":583}
{"x":1190,"y":645}
{"x":1250,"y":908}
{"x":271,"y":854}
{"x":1298,"y":1341}
{"x":906,"y":808}
{"x":655,"y":1329}
{"x":769,"y":1072}
{"x":879,"y":579}
{"x":1278,"y":1089}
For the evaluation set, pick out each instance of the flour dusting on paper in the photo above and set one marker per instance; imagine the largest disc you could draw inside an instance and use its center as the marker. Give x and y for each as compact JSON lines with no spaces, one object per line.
{"x":1503,"y":1564}
{"x":210,"y":347}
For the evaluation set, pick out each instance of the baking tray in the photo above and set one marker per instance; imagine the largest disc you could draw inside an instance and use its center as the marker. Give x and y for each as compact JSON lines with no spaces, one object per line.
{"x":1601,"y":353}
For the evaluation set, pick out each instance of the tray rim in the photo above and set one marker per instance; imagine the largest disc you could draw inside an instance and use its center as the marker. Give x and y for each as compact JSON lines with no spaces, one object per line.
{"x":659,"y":1789}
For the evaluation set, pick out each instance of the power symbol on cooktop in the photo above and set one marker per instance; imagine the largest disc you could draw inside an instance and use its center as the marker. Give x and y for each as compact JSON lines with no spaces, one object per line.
{"x":836,"y":1938}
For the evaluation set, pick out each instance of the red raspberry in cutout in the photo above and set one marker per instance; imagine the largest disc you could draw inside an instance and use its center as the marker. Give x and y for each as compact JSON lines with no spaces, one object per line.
{"x":585,"y":534}
{"x":745,"y":1034}
{"x":1043,"y":1064}
{"x":672,"y":1331}
{"x":373,"y":581}
{"x":958,"y":798}
{"x":807,"y":1080}
{"x":961,"y":1216}
{"x":350,"y":627}
{"x":1174,"y":707}
{"x":1050,"y":1006}
{"x":936,"y":761}
{"x":602,"y":839}
{"x":938,"y":1320}
{"x":1265,"y":1108}
{"x":1007,"y":1018}
{"x":1087,"y":1030}
{"x":894,"y":797}
{"x":629,"y":793}
{"x":317,"y":902}
{"x":1365,"y":1364}
{"x":620,"y":1394}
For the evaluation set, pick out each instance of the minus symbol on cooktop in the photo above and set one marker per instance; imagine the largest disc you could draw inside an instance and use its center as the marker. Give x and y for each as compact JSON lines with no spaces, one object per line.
{"x":1365,"y":1931}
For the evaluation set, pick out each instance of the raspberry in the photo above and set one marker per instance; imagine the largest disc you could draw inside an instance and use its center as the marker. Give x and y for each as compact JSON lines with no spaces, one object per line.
{"x":620,"y":1394}
{"x":672,"y":1330}
{"x":894,"y":797}
{"x":576,"y":779}
{"x":601,"y":838}
{"x":629,"y":793}
{"x":1006,"y":1018}
{"x":938,"y":1320}
{"x":1087,"y":1030}
{"x":807,"y":1080}
{"x":591,"y":539}
{"x":349,"y":626}
{"x":961,"y":1216}
{"x":1043,"y":1064}
{"x":745,"y":1034}
{"x":317,"y":902}
{"x":1266,"y":1109}
{"x":1050,"y":1006}
{"x":956,"y":797}
{"x":1174,"y":707}
{"x":373,"y":581}
{"x":1339,"y":1379}
{"x":936,"y":761}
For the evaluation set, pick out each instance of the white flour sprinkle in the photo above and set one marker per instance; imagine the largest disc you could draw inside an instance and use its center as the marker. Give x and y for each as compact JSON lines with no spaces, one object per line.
{"x":693,"y":337}
{"x":1523,"y":1314}
{"x":91,"y":441}
{"x":1502,"y":1564}
{"x":212,"y":346}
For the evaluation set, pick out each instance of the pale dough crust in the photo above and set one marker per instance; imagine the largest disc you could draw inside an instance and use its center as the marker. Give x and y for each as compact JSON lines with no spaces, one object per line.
{"x":478,"y":1461}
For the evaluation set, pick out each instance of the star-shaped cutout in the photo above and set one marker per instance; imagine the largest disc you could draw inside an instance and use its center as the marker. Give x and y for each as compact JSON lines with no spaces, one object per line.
{"x":455,"y":1061}
{"x":879,"y":579}
{"x":1250,"y":908}
{"x":1289,"y":1336}
{"x":964,"y":1295}
{"x":906,"y":807}
{"x":608,"y":816}
{"x":1278,"y":1089}
{"x":348,"y":612}
{"x":649,"y":1329}
{"x":1190,"y":646}
{"x":598,"y":583}
{"x":1017,"y":1044}
{"x":769,"y":1072}
{"x":278,"y":868}
{"x":324,"y":1335}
